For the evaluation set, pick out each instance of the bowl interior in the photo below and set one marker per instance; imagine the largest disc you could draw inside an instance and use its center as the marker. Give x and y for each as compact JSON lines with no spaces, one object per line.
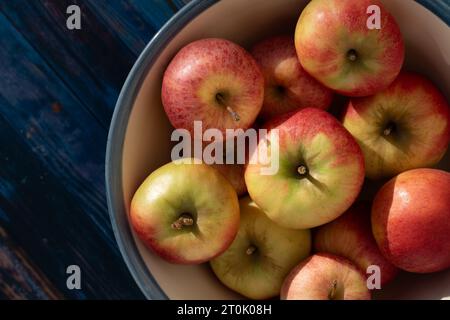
{"x":147,"y":141}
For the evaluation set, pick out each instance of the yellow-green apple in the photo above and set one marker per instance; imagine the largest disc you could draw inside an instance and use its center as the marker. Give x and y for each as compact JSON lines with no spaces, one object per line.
{"x":325,"y":276}
{"x":403,"y":127}
{"x":261,"y":255}
{"x":186,"y":213}
{"x":321,"y":170}
{"x":287,"y":85}
{"x":234,"y":173}
{"x":350,"y":236}
{"x":214,"y":81}
{"x":340,"y":45}
{"x":411,"y":220}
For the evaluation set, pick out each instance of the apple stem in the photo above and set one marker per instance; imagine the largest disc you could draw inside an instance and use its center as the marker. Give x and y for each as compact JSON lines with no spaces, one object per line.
{"x":352,"y":55}
{"x":221,"y":100}
{"x":234,"y":114}
{"x":388,"y":130}
{"x":250,"y":250}
{"x":302,"y":170}
{"x":182,"y":221}
{"x":333,"y":290}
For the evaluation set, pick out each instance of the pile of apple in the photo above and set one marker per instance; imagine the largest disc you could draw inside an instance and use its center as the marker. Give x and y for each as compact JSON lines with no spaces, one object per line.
{"x":394,"y":126}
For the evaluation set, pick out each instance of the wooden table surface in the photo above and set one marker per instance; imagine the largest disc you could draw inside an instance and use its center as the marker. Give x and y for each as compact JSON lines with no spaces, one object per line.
{"x":58,"y":89}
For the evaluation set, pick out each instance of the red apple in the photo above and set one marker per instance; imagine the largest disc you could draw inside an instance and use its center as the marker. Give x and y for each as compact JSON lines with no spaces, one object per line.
{"x":404,"y":127}
{"x":321,"y":170}
{"x":214,"y":81}
{"x":350,"y":236}
{"x":325,"y":277}
{"x":234,"y":173}
{"x":287,"y":85}
{"x":186,"y":213}
{"x":336,"y":46}
{"x":411,"y":220}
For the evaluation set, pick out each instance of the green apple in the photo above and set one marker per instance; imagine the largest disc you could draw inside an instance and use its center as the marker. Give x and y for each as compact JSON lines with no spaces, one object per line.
{"x":261,"y":255}
{"x":186,"y":213}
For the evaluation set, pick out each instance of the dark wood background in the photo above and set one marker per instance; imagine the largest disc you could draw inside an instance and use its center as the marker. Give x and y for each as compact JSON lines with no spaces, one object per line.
{"x":58,"y":89}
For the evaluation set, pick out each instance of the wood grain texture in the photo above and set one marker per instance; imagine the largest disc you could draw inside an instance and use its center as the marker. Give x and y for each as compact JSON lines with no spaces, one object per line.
{"x":57,"y":93}
{"x":19,"y":277}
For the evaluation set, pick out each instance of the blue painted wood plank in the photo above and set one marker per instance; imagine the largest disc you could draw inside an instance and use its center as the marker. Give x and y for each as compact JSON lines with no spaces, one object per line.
{"x":134,"y":21}
{"x":58,"y":133}
{"x":156,"y":12}
{"x":51,"y":224}
{"x":179,"y":3}
{"x":19,"y":278}
{"x":92,"y":62}
{"x":53,"y":124}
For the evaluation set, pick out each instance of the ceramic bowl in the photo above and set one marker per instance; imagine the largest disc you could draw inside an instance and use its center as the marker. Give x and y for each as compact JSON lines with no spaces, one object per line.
{"x":139,"y":139}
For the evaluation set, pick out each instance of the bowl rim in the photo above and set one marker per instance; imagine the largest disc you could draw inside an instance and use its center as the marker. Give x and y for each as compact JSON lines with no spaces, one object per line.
{"x":119,"y":122}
